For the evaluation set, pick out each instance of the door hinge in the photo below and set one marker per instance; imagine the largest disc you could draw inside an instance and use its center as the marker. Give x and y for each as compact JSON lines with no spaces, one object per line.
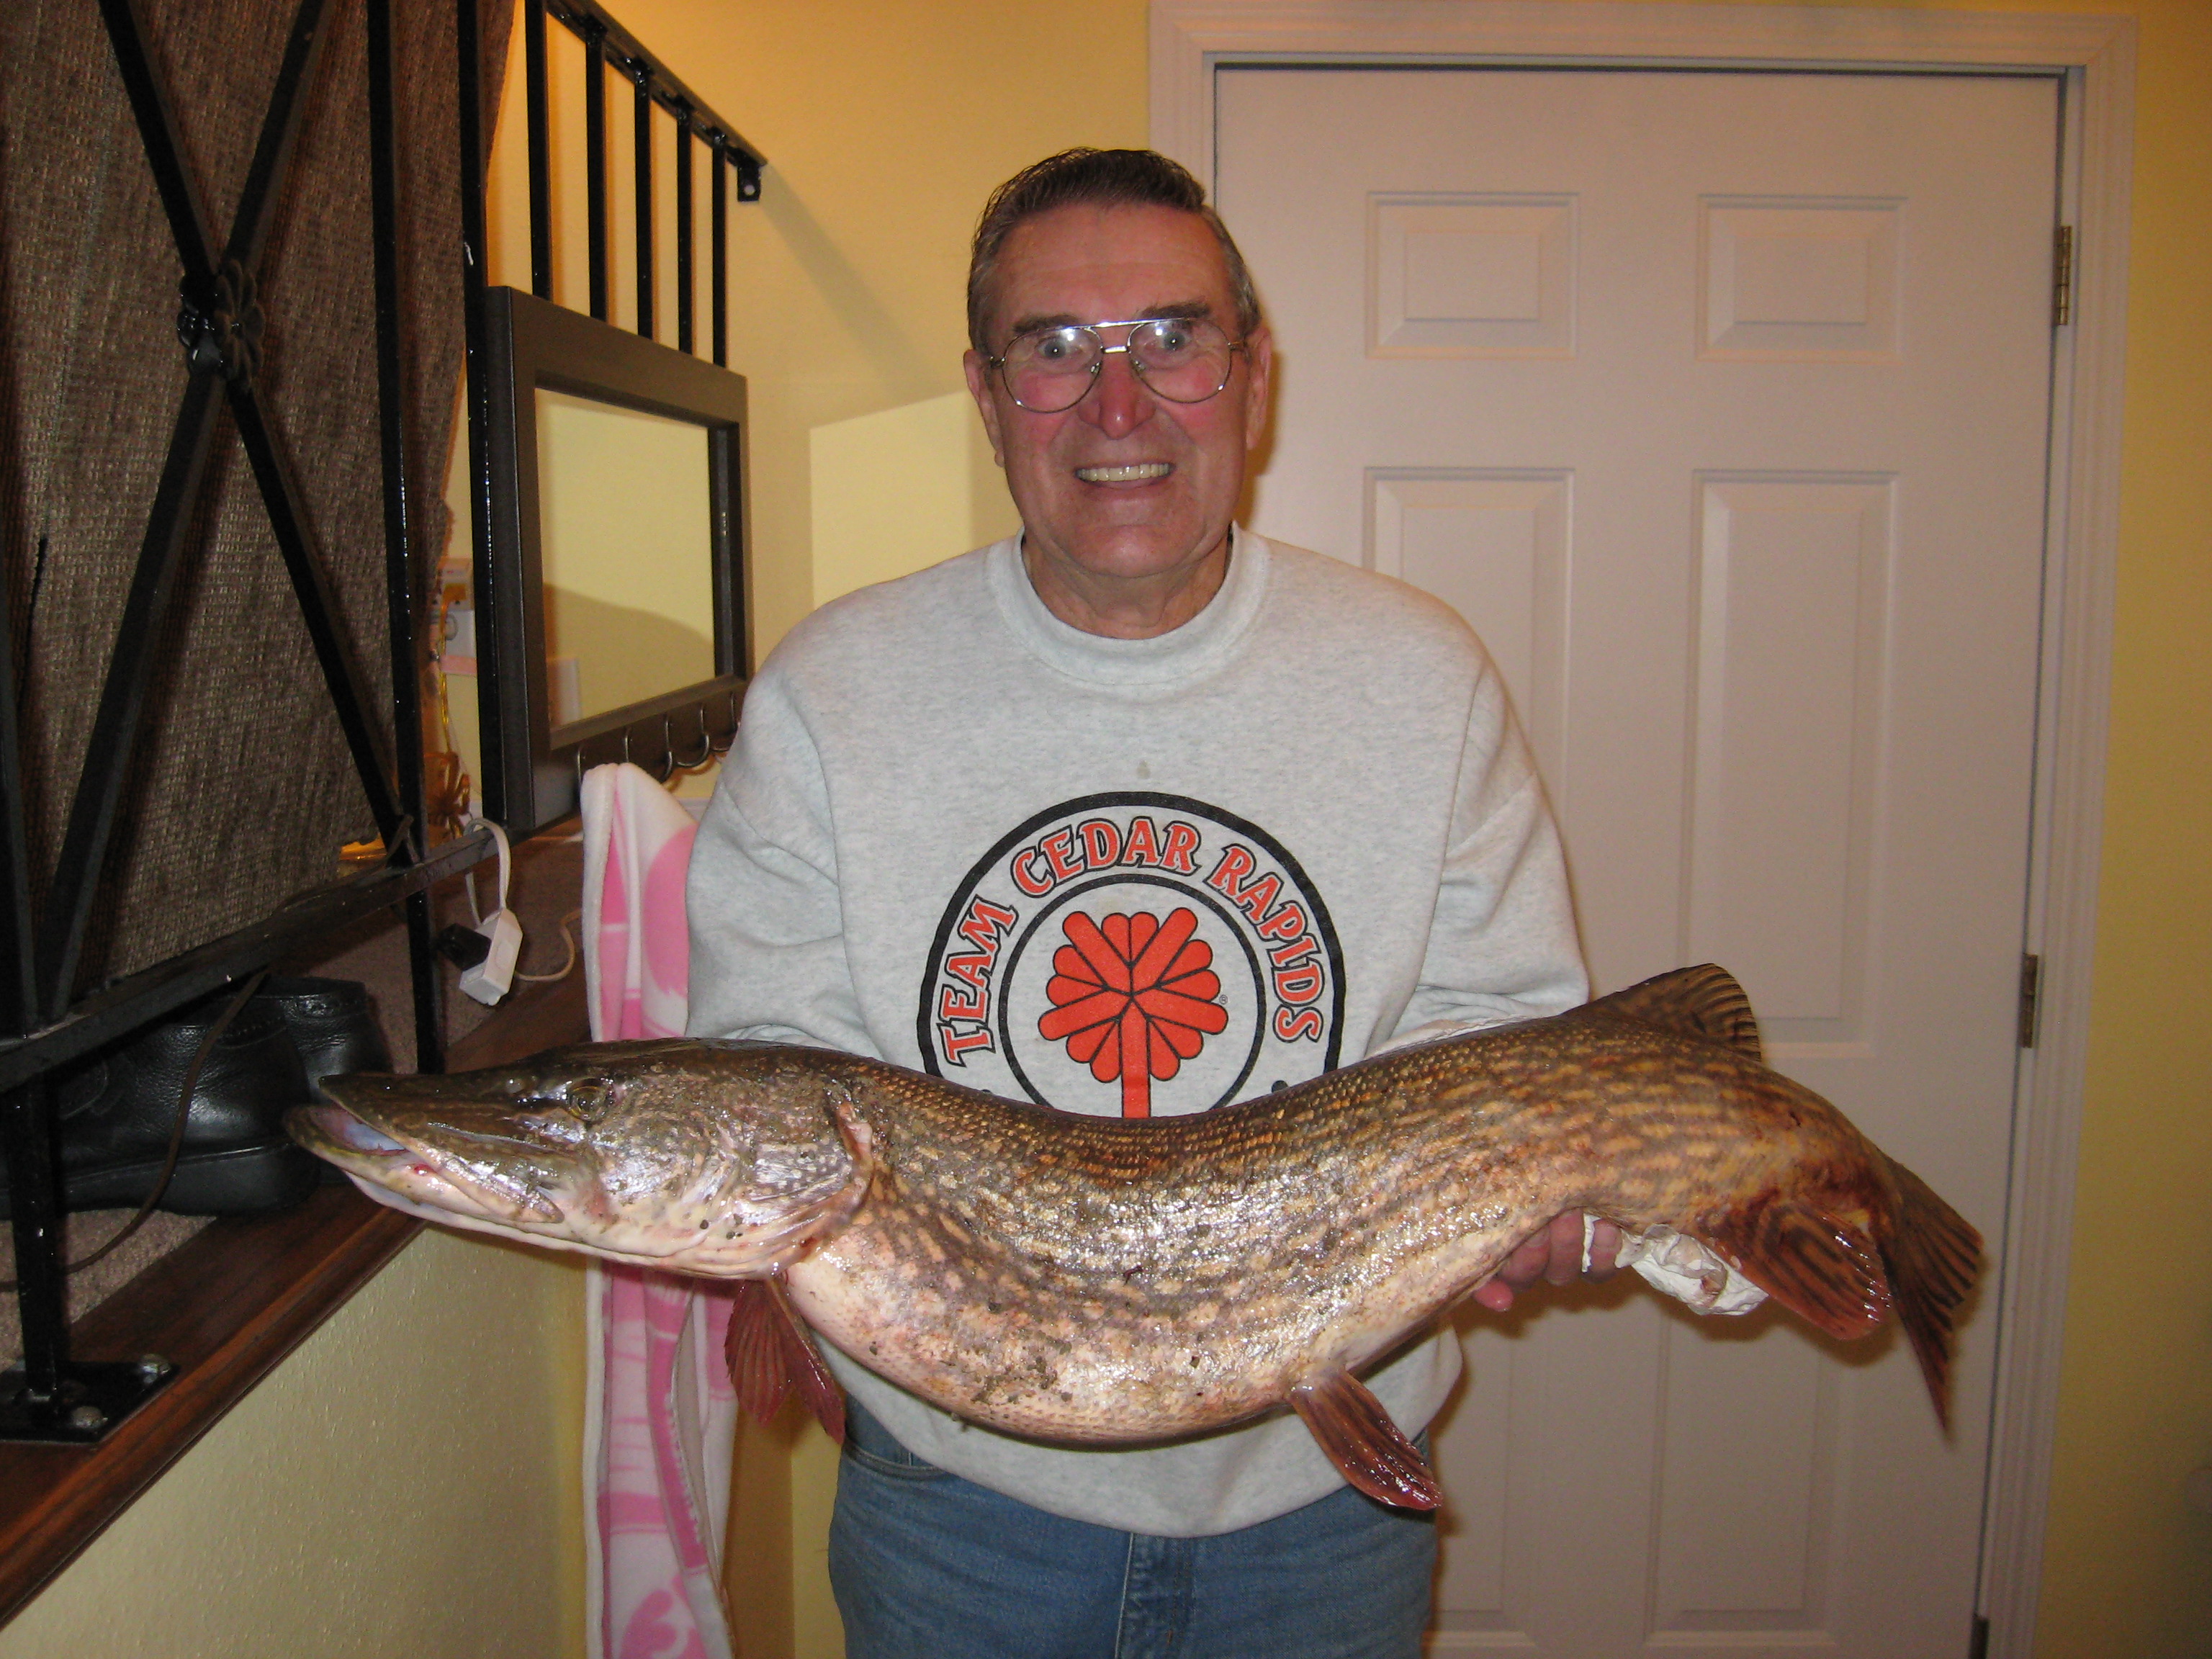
{"x":1977,"y":1646}
{"x":2031,"y":986}
{"x":2061,"y":276}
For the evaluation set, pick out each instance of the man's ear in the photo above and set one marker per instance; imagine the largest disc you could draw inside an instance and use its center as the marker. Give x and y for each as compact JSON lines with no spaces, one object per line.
{"x":979,"y":387}
{"x":1260,"y":374}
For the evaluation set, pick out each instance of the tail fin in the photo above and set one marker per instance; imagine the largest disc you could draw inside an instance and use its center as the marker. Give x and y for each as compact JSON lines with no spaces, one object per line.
{"x":1831,"y":1274}
{"x":1934,"y":1257}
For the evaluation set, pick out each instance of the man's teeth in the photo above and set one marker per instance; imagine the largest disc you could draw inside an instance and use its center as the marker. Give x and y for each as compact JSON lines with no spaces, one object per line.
{"x":1129,"y":473}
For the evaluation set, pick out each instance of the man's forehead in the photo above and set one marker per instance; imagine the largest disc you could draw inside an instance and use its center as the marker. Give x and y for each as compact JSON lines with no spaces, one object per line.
{"x":1085,"y":265}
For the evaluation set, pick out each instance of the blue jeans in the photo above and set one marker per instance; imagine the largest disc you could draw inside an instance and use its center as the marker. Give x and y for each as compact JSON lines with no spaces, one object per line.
{"x":926,"y":1566}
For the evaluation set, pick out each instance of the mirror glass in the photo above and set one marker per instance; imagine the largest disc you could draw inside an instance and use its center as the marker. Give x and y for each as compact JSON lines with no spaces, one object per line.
{"x":627,"y":555}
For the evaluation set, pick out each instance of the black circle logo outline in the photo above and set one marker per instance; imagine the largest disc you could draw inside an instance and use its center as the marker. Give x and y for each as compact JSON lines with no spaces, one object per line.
{"x":1324,"y":929}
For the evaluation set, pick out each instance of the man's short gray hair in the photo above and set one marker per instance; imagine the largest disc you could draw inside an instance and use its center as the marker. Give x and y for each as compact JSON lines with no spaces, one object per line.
{"x":1099,"y":179}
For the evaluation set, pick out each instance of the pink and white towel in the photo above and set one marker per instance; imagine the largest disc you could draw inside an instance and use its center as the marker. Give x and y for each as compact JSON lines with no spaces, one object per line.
{"x":659,"y":1416}
{"x":637,"y":950}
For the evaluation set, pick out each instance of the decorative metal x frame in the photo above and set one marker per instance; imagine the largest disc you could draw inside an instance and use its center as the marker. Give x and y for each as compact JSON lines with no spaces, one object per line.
{"x":220,"y":326}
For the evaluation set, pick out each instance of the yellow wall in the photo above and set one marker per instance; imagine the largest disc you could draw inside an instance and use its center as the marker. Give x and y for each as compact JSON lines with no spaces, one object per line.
{"x":2128,"y":1569}
{"x":894,"y":491}
{"x":406,"y":1485}
{"x":886,"y":124}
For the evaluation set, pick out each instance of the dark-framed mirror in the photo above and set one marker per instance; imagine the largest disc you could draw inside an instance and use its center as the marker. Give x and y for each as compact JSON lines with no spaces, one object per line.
{"x":611,"y":618}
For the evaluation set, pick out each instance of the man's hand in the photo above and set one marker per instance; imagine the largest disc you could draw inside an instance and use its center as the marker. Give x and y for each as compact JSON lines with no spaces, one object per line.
{"x":1553,"y":1253}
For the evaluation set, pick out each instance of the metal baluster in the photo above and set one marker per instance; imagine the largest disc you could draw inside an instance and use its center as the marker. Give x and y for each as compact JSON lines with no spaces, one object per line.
{"x":541,"y":144}
{"x":595,"y":153}
{"x":35,"y":1192}
{"x":491,"y":686}
{"x":402,"y":598}
{"x":26,"y":1139}
{"x":719,"y":274}
{"x":642,"y":154}
{"x":683,"y":227}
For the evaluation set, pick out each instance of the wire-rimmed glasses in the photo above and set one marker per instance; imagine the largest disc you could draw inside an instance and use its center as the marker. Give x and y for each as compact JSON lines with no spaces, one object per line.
{"x":1185,"y":359}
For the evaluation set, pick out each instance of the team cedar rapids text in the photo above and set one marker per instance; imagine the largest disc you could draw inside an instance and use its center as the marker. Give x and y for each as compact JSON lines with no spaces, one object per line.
{"x":1295,"y":965}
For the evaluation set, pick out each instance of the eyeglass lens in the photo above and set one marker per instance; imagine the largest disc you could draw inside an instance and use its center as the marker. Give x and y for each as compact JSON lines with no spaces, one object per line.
{"x":1186,"y":360}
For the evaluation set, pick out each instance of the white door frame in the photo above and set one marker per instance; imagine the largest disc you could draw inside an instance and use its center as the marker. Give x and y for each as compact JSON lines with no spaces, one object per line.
{"x":1191,"y":39}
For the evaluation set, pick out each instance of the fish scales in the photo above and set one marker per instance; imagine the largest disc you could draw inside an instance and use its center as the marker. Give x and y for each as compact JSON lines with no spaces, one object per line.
{"x":1333,"y":1219}
{"x":1093,"y":1280}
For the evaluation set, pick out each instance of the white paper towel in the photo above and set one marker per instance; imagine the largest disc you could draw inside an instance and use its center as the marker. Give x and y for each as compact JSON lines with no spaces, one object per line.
{"x":1680,"y":1266}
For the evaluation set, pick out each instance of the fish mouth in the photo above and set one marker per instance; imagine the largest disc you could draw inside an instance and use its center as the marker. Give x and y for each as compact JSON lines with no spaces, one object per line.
{"x":396,"y":1136}
{"x":332,"y":1129}
{"x":1125,"y":472}
{"x":501,"y":1152}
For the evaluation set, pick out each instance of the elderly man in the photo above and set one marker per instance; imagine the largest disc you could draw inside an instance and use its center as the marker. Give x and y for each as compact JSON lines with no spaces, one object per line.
{"x":1133,"y":813}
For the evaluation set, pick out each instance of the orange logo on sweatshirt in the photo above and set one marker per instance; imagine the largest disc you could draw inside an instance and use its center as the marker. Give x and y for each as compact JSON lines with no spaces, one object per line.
{"x":1132,"y":998}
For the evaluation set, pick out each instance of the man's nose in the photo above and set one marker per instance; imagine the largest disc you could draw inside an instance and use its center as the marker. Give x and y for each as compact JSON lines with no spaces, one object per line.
{"x":1120,"y":403}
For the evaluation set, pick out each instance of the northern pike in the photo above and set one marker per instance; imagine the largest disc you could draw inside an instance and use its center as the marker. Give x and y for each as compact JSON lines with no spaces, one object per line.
{"x":1097,"y":1282}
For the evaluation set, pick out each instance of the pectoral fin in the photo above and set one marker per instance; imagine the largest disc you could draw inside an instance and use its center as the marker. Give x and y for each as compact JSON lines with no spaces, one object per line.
{"x":769,"y":1348}
{"x":1372,"y":1451}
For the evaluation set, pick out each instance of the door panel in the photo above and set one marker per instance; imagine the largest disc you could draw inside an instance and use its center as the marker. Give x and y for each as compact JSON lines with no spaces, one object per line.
{"x":1717,"y":403}
{"x":1789,"y":660}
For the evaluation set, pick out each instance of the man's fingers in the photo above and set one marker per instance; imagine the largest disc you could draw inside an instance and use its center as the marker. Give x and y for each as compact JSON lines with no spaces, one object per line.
{"x":1554,"y":1253}
{"x":1604,"y":1250}
{"x":1494,"y":1294}
{"x":1564,"y":1264}
{"x":1526,"y":1265}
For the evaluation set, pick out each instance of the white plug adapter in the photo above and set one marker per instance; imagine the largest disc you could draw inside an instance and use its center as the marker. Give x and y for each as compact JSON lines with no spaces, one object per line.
{"x":491,"y":979}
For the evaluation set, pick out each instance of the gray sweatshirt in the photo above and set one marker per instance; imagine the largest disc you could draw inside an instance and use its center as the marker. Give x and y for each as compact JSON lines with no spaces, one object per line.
{"x":1142,"y":877}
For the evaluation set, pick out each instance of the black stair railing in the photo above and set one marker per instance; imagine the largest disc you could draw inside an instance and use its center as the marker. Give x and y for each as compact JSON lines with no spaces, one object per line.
{"x":520,"y":753}
{"x":655,"y":86}
{"x":45,"y":1021}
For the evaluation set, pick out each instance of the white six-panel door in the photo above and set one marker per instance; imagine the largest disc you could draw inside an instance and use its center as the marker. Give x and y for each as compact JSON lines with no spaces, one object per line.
{"x":1717,"y":403}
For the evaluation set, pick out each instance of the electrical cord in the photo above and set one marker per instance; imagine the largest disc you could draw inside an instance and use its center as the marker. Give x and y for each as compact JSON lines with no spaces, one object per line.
{"x":568,"y":939}
{"x":469,"y":876}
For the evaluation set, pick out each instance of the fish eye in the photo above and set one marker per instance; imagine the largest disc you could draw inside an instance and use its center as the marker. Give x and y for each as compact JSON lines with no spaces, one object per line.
{"x":586,"y":1098}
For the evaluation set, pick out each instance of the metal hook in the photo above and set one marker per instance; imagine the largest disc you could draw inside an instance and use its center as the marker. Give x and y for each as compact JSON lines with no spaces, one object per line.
{"x":706,"y":744}
{"x":729,"y":741}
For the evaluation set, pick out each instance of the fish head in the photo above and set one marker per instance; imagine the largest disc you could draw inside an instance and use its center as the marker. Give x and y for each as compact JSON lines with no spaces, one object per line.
{"x":725,"y":1159}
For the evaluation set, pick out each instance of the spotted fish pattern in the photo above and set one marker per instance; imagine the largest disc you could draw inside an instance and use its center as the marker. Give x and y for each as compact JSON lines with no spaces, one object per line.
{"x":1096,"y":1280}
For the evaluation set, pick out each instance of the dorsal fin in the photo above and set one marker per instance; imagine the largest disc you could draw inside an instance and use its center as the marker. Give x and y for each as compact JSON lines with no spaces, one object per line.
{"x":1705,"y":1001}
